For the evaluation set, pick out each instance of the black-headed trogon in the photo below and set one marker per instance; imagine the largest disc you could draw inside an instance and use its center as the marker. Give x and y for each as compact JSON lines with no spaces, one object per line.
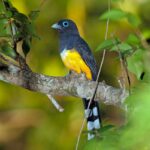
{"x":77,"y":56}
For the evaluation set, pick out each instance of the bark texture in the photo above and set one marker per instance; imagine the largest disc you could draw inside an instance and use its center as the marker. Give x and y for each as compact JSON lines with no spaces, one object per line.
{"x":71,"y":85}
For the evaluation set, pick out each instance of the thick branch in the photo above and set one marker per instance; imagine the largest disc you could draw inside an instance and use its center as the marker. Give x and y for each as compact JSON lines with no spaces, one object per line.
{"x":72,"y":85}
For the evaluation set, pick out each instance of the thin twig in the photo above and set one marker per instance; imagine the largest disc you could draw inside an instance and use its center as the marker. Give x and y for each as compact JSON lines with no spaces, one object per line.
{"x":123,"y":66}
{"x":80,"y":132}
{"x":127,"y":73}
{"x":98,"y":75}
{"x":55,"y":103}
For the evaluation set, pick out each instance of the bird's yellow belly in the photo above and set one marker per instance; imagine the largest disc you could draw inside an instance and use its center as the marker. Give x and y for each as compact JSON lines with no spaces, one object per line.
{"x":74,"y":61}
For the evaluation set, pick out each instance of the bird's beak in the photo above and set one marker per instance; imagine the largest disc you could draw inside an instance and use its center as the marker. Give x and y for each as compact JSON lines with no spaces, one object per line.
{"x":56,"y":26}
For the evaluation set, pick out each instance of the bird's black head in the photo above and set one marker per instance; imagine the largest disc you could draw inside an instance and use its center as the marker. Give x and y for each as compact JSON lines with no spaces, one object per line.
{"x":66,"y":26}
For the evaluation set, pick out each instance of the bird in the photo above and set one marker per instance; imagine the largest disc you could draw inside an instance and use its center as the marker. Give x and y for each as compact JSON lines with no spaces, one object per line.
{"x":77,"y":56}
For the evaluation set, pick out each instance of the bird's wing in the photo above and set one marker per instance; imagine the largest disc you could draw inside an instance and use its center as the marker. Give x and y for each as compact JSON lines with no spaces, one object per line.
{"x":82,"y":47}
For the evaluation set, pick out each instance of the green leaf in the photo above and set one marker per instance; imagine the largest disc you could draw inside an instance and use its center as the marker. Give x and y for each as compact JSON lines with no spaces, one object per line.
{"x":34,"y":14}
{"x":114,"y":14}
{"x":122,"y":47}
{"x":133,"y":20}
{"x":132,"y":39}
{"x":135,"y":63}
{"x":107,"y":44}
{"x":8,"y":14}
{"x":117,"y":14}
{"x":6,"y":48}
{"x":4,"y":30}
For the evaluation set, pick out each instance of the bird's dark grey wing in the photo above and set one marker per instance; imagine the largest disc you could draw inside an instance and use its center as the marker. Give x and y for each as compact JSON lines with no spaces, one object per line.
{"x":82,"y":47}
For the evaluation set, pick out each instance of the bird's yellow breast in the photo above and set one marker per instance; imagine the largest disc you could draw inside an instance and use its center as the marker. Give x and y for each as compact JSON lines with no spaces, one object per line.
{"x":74,"y":61}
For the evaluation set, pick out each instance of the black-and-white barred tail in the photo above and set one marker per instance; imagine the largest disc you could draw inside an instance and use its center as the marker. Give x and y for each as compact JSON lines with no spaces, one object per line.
{"x":93,"y":117}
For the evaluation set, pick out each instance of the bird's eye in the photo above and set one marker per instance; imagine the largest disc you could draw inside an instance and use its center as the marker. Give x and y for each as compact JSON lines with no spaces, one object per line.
{"x":65,"y":24}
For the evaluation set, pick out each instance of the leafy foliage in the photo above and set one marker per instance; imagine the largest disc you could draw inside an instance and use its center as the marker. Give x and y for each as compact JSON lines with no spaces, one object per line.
{"x":135,"y":63}
{"x":133,"y":39}
{"x":117,"y":14}
{"x":20,"y":26}
{"x":113,"y":14}
{"x":5,"y":47}
{"x":130,"y":49}
{"x":136,"y":131}
{"x":107,"y":44}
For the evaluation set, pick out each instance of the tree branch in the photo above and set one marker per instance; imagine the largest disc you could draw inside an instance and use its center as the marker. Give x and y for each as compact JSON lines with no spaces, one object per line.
{"x":71,"y":85}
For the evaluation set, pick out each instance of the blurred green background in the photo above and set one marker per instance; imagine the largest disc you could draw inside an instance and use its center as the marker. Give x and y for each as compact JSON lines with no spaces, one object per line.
{"x":28,"y":121}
